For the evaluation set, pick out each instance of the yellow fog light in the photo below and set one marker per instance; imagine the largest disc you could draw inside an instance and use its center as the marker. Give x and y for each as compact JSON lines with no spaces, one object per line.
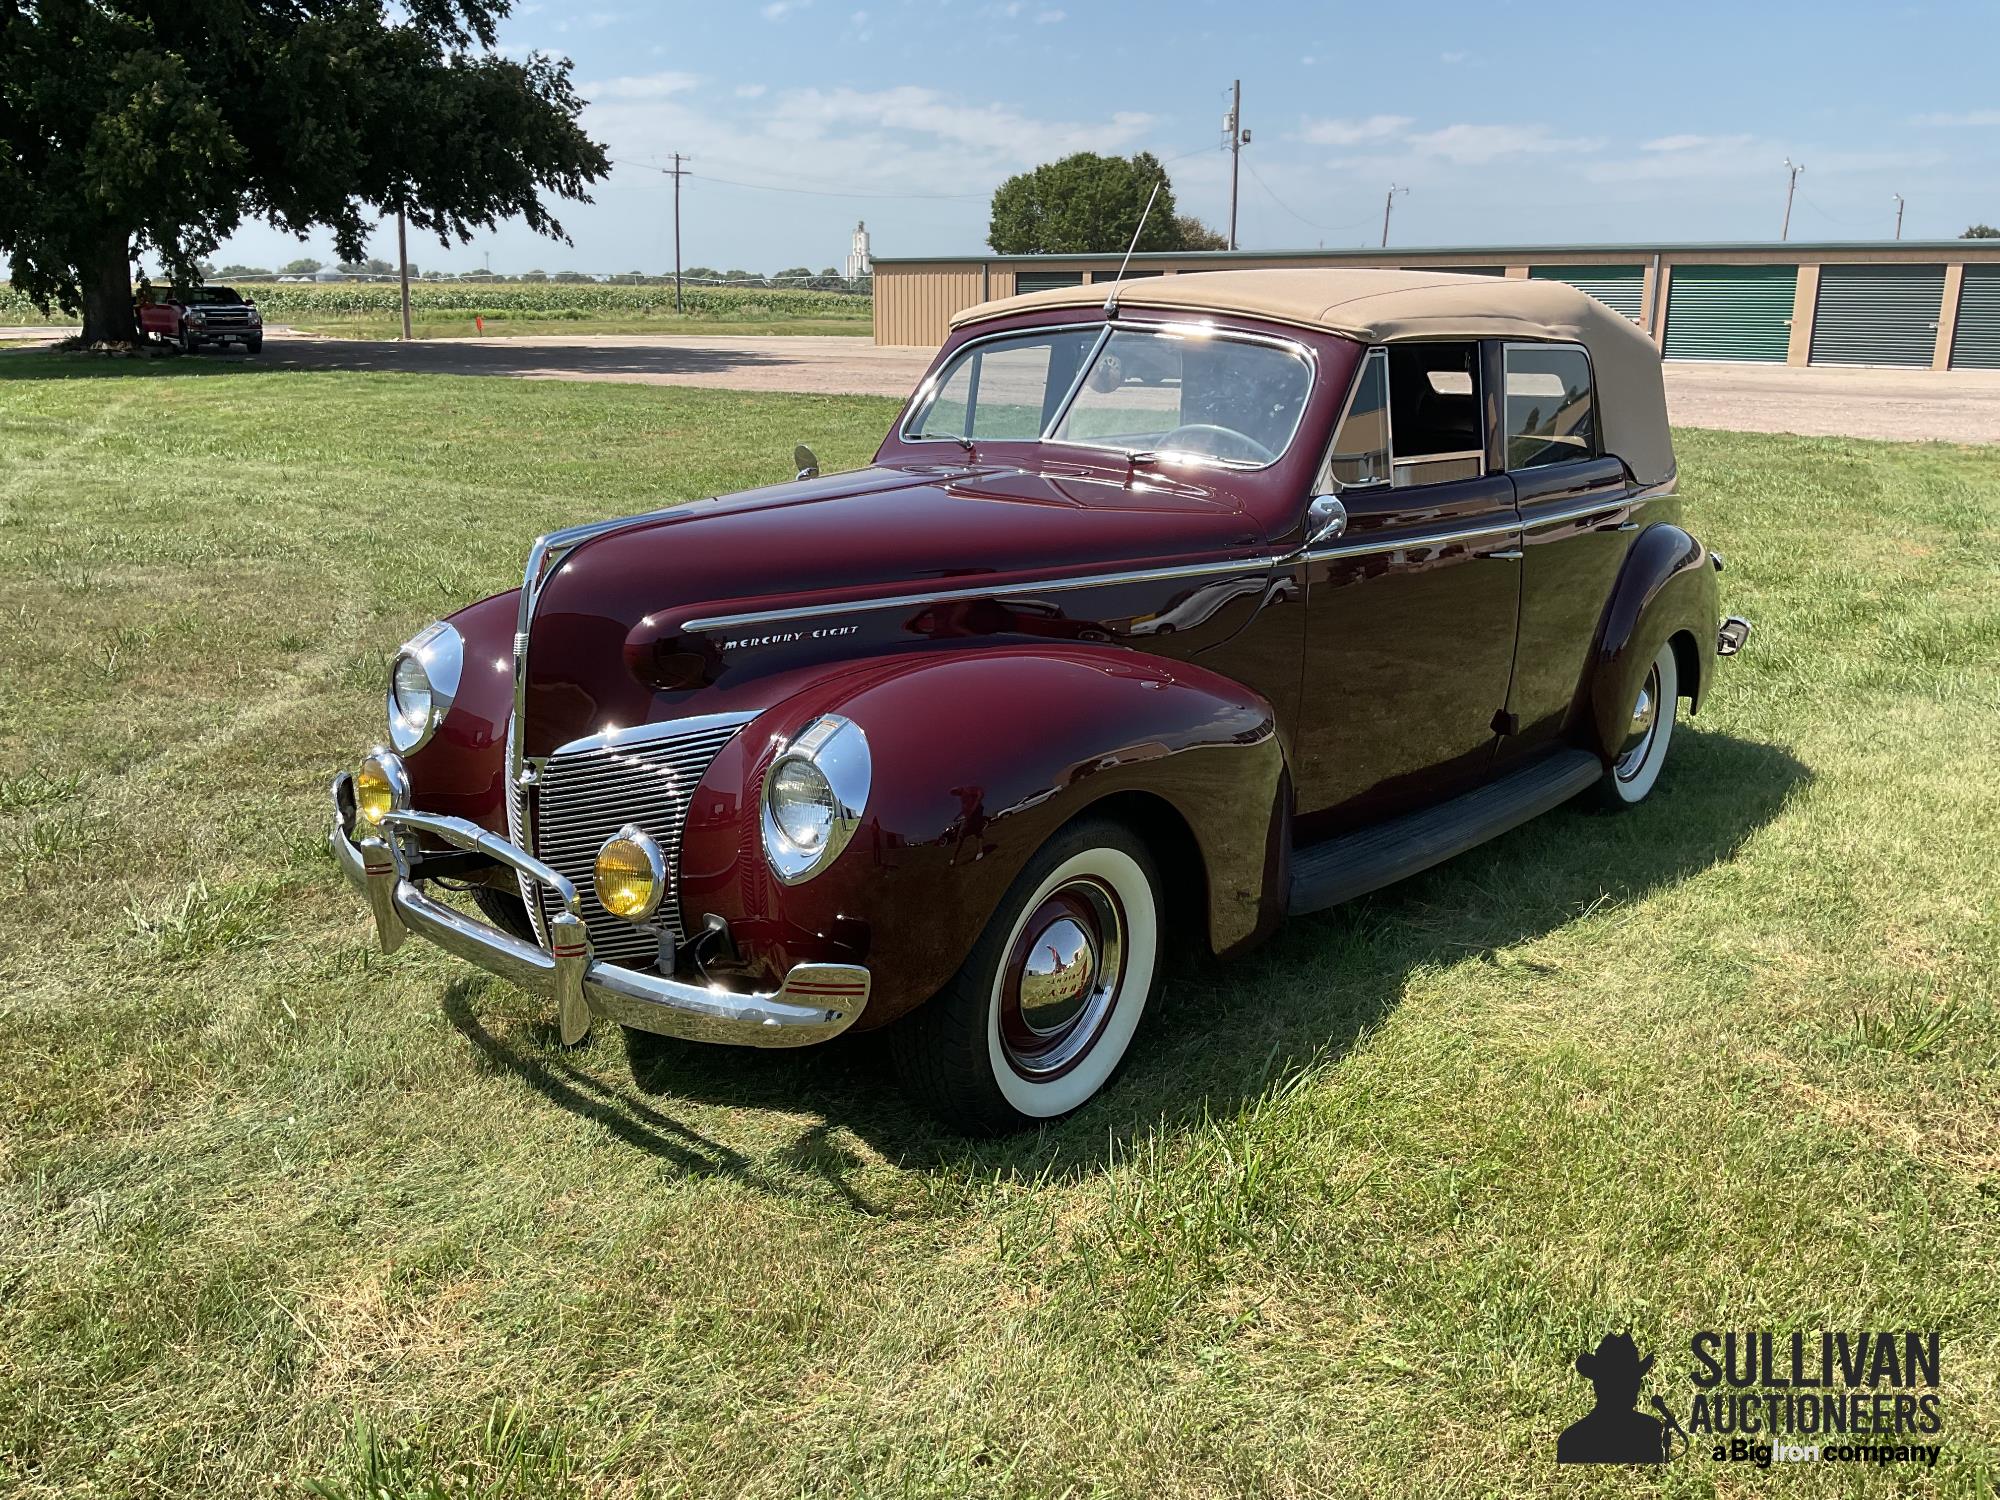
{"x":381,"y":787}
{"x":631,"y":874}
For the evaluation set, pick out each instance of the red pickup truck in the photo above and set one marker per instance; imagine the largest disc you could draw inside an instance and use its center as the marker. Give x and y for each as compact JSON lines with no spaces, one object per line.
{"x":202,"y":315}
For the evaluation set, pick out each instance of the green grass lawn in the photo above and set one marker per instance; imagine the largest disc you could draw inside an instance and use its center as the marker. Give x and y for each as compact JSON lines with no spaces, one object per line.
{"x":276,"y":1210}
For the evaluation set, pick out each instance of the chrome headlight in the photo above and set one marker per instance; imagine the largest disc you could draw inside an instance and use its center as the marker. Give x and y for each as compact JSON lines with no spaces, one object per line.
{"x":813,"y":797}
{"x":423,"y":680}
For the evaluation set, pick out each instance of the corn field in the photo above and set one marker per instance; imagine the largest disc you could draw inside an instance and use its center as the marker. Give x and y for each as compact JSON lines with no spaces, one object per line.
{"x":517,"y":300}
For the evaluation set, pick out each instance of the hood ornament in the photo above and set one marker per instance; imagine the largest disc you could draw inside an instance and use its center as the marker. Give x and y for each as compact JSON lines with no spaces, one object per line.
{"x":806,"y":461}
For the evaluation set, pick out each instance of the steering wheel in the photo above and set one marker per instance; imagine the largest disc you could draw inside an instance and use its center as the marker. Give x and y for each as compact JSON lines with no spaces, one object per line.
{"x":1228,"y":436}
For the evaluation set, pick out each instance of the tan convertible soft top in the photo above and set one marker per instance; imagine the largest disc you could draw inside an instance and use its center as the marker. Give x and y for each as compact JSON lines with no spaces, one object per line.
{"x":1390,"y":307}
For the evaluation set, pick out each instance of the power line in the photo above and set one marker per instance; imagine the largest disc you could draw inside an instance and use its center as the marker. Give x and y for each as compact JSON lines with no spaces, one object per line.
{"x":1309,"y":223}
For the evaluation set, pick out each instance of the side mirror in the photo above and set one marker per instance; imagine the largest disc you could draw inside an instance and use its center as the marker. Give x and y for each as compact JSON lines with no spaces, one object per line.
{"x":1326,"y":518}
{"x":806,"y":462}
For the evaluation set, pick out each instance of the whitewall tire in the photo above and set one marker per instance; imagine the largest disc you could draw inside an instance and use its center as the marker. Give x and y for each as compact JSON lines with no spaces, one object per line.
{"x":1636,"y":764}
{"x":1046,"y":1005}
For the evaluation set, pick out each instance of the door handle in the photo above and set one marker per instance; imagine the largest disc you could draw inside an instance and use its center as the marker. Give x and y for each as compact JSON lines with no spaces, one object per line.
{"x":1512,"y":554}
{"x":1628,"y":526}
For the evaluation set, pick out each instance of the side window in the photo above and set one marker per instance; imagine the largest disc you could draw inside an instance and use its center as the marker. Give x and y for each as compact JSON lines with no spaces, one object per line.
{"x":1551,"y":417}
{"x":1008,"y":389}
{"x":1434,"y":413}
{"x":1361,"y":448}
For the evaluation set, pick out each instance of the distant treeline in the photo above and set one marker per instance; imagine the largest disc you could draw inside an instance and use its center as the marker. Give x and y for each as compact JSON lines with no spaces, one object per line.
{"x":529,"y":300}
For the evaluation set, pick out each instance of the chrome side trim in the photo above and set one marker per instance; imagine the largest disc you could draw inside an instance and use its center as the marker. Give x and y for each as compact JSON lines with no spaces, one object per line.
{"x":1578,"y":512}
{"x":1369,"y":547}
{"x":663,"y":729}
{"x":998,"y":590}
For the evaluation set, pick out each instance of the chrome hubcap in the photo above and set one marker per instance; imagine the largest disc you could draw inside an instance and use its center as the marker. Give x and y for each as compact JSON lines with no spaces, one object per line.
{"x":1058,"y":976}
{"x":1062,"y":979}
{"x":1645,"y":721}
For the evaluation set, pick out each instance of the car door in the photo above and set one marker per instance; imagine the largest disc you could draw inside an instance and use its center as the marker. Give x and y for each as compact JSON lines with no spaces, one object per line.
{"x":1412,"y":607}
{"x":1577,"y":512}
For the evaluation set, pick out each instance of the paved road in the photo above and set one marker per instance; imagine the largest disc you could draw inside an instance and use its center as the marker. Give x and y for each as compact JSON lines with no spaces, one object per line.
{"x":1951,"y":406}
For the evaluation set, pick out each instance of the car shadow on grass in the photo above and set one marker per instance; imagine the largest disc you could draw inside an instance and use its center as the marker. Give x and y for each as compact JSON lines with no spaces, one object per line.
{"x":1225,"y":1033}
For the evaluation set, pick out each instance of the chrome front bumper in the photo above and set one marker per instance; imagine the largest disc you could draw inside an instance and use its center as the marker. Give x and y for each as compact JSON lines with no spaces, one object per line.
{"x":815,"y":1002}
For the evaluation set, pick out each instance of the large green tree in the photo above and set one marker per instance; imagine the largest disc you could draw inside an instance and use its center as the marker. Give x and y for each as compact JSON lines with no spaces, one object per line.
{"x":1084,"y":205}
{"x":156,"y":127}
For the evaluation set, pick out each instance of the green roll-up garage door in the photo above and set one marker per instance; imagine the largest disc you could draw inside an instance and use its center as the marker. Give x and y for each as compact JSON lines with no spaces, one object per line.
{"x":1041,"y":281}
{"x":1731,"y":312}
{"x":1619,"y":288}
{"x":1877,"y":315}
{"x":1975,"y":342}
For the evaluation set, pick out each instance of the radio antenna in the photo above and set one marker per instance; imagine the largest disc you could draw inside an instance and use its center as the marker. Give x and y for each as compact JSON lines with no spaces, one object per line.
{"x":1111,"y":301}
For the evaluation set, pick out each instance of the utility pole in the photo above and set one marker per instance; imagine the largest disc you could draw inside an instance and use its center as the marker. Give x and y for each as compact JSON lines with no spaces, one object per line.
{"x":1389,"y":203}
{"x":403,"y":266}
{"x":1899,"y":214}
{"x":677,"y":173}
{"x":1791,"y":186}
{"x":1237,"y":138}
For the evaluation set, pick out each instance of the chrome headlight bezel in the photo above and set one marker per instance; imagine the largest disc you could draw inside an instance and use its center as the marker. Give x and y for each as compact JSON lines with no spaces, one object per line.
{"x":837,"y":751}
{"x":438,"y":651}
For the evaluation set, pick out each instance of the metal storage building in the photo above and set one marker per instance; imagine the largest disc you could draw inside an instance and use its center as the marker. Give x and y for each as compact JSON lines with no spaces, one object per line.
{"x":1907,"y":303}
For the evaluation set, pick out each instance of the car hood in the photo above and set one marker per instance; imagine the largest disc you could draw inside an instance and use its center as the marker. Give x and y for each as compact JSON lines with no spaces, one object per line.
{"x":621,"y":601}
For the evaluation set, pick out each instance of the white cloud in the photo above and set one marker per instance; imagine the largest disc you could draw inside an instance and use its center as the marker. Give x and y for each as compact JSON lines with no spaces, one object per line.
{"x":1969,"y":117}
{"x":1050,"y":17}
{"x":1696,"y":143}
{"x":1449,"y":58}
{"x":858,"y":19}
{"x":920,"y":141}
{"x":649,"y":86}
{"x":1475,"y":145}
{"x":751,"y":90}
{"x":995,"y":128}
{"x":777,"y":10}
{"x":1352,"y":132}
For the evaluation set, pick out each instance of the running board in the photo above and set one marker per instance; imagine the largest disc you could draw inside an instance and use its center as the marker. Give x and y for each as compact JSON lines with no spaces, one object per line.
{"x":1339,"y":869}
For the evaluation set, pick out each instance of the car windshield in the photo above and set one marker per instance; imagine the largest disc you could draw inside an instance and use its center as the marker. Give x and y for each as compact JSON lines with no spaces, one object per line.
{"x":1188,"y":395}
{"x":214,"y":295}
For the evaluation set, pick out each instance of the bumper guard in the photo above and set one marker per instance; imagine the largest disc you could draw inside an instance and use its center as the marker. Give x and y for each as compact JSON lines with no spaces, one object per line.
{"x":815,"y":1002}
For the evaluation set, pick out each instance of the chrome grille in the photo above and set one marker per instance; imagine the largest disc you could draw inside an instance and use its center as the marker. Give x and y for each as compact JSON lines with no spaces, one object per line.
{"x":583,"y":797}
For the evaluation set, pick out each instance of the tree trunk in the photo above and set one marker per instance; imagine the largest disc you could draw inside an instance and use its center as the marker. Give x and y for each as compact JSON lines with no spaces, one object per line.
{"x":105,"y":279}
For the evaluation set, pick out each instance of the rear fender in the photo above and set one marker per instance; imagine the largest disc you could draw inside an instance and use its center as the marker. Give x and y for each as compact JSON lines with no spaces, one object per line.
{"x":978,"y":756}
{"x":1666,"y":587}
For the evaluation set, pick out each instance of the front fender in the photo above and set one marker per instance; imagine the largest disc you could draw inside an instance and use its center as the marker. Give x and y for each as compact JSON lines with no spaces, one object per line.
{"x":978,"y":757}
{"x":1665,"y":588}
{"x":461,"y":771}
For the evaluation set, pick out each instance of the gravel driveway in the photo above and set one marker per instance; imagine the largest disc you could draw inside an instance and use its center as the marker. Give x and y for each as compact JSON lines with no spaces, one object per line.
{"x":1952,"y":406}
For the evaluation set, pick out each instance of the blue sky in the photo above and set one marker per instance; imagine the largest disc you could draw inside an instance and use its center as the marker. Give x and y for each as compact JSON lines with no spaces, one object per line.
{"x":1510,"y":121}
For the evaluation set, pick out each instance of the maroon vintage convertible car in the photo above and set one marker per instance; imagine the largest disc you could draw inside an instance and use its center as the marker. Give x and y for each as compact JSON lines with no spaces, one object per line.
{"x":1231,"y":595}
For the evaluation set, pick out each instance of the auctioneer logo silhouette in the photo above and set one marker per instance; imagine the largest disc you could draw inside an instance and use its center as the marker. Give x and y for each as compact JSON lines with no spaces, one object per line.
{"x":1614,"y":1431}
